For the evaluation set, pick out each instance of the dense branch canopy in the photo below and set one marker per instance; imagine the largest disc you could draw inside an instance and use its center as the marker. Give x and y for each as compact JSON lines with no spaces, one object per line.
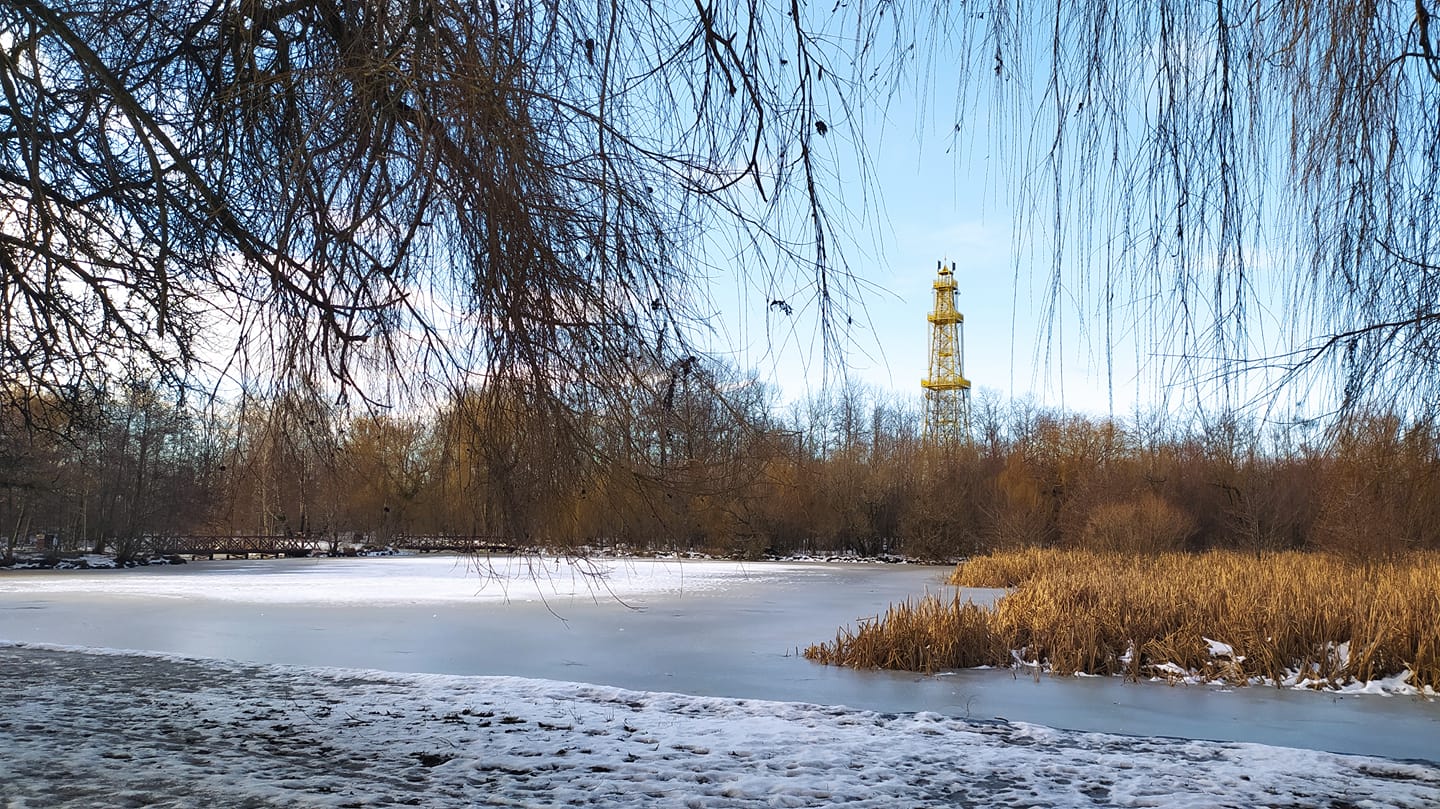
{"x":468,"y":191}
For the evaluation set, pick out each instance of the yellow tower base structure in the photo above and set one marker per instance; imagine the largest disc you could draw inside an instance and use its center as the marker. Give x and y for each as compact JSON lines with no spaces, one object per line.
{"x":947,"y":391}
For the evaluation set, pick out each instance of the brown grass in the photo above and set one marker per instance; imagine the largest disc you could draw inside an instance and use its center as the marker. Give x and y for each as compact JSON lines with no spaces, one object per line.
{"x":1285,"y":614}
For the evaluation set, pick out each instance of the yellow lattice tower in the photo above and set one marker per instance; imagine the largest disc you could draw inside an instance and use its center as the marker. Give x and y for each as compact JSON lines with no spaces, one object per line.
{"x":947,"y":391}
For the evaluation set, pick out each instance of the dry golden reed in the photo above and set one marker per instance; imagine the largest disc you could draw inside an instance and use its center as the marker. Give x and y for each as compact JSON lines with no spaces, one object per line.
{"x":926,"y":634}
{"x":1287,"y":616}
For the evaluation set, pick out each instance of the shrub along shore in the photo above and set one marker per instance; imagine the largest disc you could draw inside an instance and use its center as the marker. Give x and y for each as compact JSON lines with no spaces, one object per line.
{"x":1284,"y":618}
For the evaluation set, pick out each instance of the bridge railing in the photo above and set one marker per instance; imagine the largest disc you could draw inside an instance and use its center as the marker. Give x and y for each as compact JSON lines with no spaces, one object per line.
{"x":237,"y":545}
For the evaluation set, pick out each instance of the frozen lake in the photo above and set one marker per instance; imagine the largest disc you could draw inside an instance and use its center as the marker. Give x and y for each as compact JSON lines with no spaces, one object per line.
{"x":704,"y":628}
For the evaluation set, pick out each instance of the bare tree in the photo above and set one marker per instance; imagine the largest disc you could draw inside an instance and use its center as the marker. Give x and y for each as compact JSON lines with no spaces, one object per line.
{"x":460,"y":191}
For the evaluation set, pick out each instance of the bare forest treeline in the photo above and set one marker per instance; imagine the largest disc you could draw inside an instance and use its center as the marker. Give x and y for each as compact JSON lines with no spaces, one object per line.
{"x":709,"y":460}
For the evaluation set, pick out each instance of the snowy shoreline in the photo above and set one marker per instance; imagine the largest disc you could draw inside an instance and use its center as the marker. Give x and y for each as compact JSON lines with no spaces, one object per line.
{"x":89,"y":727}
{"x":76,"y":560}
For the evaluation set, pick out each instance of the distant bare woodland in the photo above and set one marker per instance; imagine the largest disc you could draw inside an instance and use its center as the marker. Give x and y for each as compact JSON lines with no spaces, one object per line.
{"x":721,"y":467}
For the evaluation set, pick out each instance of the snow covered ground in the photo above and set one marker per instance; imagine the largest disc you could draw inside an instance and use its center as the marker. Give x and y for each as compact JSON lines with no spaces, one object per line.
{"x":87,"y":728}
{"x":434,"y":578}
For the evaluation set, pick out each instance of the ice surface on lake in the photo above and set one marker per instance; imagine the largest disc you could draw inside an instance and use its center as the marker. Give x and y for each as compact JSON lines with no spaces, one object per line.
{"x":711,"y":628}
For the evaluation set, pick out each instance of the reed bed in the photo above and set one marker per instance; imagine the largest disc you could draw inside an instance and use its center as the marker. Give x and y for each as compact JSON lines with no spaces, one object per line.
{"x":1286,"y":618}
{"x":925,"y":634}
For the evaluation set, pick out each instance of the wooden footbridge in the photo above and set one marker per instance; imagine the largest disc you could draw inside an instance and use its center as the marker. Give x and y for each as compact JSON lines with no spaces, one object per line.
{"x":229,"y":546}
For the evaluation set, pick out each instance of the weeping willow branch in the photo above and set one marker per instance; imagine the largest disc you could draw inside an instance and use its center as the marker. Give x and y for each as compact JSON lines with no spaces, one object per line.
{"x":1221,"y":182}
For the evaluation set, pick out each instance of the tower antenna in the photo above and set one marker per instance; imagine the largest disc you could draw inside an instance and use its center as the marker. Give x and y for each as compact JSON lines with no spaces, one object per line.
{"x":947,"y":391}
